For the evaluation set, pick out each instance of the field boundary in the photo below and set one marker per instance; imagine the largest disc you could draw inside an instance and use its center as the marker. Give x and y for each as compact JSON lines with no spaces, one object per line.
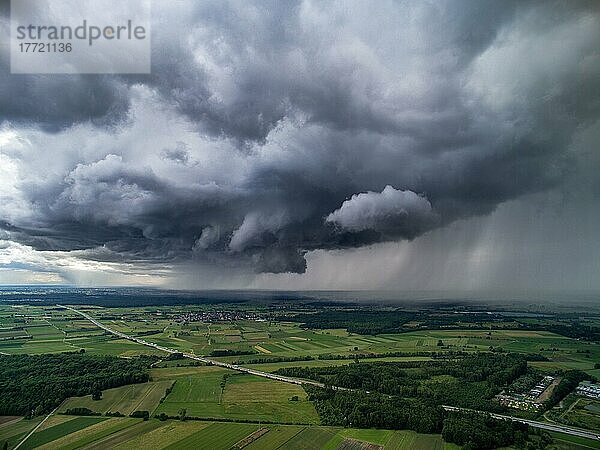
{"x":35,"y":429}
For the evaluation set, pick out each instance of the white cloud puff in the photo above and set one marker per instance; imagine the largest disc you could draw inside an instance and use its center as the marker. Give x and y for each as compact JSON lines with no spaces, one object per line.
{"x":392,"y":212}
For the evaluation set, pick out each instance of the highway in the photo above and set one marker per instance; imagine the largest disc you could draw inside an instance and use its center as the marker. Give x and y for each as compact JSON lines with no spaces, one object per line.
{"x":542,"y":425}
{"x":199,"y":358}
{"x":533,"y":423}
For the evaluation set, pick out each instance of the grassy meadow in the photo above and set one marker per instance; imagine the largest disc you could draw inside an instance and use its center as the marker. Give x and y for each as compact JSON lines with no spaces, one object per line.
{"x":124,"y":399}
{"x":244,"y":397}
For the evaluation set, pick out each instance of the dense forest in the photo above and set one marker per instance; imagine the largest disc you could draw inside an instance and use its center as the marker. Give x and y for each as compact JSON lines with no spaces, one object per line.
{"x":574,"y":329}
{"x":374,"y":410}
{"x":410,"y":394}
{"x":368,"y":410}
{"x":36,"y":384}
{"x":476,"y":431}
{"x":377,"y":321}
{"x":467,"y":382}
{"x":360,"y":322}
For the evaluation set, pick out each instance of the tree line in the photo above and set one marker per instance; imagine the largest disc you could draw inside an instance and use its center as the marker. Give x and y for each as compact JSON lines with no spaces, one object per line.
{"x":375,"y":321}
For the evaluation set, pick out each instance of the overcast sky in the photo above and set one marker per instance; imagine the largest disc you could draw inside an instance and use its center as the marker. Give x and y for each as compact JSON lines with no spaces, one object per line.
{"x":315,"y":145}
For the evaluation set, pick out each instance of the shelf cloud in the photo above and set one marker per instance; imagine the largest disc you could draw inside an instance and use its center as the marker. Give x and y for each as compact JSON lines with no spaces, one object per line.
{"x":268,"y":130}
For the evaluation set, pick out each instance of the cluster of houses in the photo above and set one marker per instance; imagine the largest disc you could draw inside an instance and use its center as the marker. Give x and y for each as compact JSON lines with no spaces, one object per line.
{"x":218,"y":316}
{"x":588,"y":389}
{"x":533,"y":399}
{"x":518,"y":401}
{"x":537,"y":390}
{"x":529,"y":401}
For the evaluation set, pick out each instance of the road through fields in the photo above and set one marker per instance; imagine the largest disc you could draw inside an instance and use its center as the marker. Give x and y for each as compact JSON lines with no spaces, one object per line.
{"x":35,"y":429}
{"x":542,"y":425}
{"x":203,"y":359}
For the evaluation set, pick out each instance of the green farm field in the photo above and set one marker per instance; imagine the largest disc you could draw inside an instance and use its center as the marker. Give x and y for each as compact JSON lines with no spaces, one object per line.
{"x":132,"y":434}
{"x":57,"y":431}
{"x":54,"y":330}
{"x":579,"y":412}
{"x":244,"y":397}
{"x":91,"y":434}
{"x":13,"y":430}
{"x":125,"y":399}
{"x":216,"y":435}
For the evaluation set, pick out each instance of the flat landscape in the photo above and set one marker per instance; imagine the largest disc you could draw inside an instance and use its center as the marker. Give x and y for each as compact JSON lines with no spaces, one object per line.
{"x":131,"y":434}
{"x":242,"y":397}
{"x":392,"y":355}
{"x":125,"y":399}
{"x":50,"y":330}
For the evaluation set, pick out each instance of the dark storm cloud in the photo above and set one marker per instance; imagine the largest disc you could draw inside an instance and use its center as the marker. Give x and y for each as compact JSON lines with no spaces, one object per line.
{"x":270,"y":129}
{"x":54,"y":102}
{"x":275,"y":65}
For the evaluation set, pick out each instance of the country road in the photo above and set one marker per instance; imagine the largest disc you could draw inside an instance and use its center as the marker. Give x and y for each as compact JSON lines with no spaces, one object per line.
{"x":199,"y":358}
{"x":542,"y":425}
{"x":35,"y":429}
{"x":533,"y":423}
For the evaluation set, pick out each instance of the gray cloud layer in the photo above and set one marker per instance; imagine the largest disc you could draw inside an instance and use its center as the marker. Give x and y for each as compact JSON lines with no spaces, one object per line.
{"x":269,"y":129}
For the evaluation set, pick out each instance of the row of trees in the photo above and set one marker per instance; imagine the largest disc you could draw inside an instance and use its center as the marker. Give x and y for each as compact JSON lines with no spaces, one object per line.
{"x":274,"y":359}
{"x":395,"y":354}
{"x":359,"y":356}
{"x":569,"y":381}
{"x":232,"y":352}
{"x":377,"y":321}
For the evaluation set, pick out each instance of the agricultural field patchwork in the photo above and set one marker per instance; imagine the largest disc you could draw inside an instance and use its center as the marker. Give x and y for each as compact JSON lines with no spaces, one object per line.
{"x":13,"y":430}
{"x":55,"y":432}
{"x":578,"y":411}
{"x":215,"y":402}
{"x":124,"y":434}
